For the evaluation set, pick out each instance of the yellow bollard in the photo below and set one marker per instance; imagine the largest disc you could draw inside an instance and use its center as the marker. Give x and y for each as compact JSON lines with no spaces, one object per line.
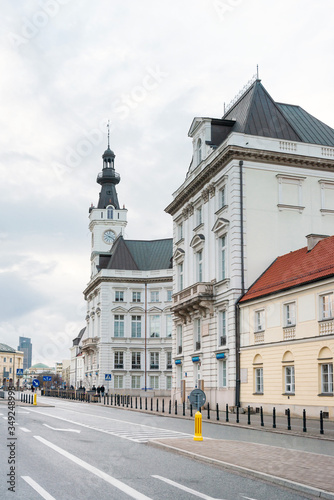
{"x":35,"y":399}
{"x":198,"y":426}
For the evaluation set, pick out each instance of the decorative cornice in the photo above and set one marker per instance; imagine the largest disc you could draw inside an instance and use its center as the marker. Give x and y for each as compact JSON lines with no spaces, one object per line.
{"x":103,"y":279}
{"x":239,"y":153}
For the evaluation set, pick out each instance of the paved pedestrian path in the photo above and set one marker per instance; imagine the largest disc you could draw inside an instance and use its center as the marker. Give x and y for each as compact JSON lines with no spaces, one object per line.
{"x":306,"y":472}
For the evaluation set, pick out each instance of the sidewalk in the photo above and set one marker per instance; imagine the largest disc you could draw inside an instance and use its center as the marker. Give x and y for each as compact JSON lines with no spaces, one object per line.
{"x":308,"y":473}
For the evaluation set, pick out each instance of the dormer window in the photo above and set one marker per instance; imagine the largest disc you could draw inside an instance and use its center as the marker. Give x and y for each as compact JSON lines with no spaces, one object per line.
{"x":199,"y":151}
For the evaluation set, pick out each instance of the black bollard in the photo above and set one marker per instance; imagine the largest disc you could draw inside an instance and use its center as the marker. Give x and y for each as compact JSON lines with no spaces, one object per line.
{"x":151,"y":404}
{"x":217,"y":411}
{"x":157,"y":405}
{"x":226,"y":410}
{"x":261,"y":414}
{"x":321,"y":423}
{"x":191,"y":410}
{"x":274,"y":418}
{"x":184,"y":408}
{"x":289,"y":419}
{"x":136,"y":403}
{"x":304,"y":421}
{"x":237,"y":415}
{"x":170,"y":407}
{"x":163,"y":406}
{"x":175,"y":407}
{"x":145,"y":403}
{"x":140,"y":404}
{"x":248,"y":414}
{"x":208,"y":408}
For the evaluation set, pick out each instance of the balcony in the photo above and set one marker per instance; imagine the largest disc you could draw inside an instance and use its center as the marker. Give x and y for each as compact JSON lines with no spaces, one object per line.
{"x":194,"y":299}
{"x":326,"y":327}
{"x":119,"y":366}
{"x":90,"y":343}
{"x":259,"y":337}
{"x":154,"y":366}
{"x":289,"y":333}
{"x":135,"y":367}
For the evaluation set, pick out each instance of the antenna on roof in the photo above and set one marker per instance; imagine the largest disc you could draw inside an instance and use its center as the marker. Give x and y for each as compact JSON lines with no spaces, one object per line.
{"x":108,"y":127}
{"x":224,"y":108}
{"x":241,"y":93}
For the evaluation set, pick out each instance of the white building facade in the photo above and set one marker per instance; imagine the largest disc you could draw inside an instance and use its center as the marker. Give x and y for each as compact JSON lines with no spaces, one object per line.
{"x":258,"y":184}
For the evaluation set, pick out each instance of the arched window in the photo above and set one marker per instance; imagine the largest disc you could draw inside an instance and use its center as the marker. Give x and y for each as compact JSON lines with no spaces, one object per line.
{"x":199,"y":151}
{"x":110,"y":212}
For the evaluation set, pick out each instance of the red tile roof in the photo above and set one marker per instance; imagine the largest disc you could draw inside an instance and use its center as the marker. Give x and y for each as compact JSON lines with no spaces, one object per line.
{"x":295,"y":268}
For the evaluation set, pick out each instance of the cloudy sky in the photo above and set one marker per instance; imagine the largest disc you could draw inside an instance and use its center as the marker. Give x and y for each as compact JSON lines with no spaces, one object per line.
{"x":67,"y":66}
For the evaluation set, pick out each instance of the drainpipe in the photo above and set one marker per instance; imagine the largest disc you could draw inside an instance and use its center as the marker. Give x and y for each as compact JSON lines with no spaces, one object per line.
{"x":145,"y":348}
{"x":236,"y":308}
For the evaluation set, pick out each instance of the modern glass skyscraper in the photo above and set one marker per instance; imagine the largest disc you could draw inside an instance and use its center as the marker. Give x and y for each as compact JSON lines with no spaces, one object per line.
{"x":25,"y":346}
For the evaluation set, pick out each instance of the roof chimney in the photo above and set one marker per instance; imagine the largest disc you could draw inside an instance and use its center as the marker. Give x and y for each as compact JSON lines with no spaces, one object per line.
{"x":313,"y":239}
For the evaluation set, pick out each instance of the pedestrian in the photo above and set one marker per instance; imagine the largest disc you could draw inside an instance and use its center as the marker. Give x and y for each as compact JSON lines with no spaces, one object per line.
{"x":102,"y":390}
{"x":98,"y":390}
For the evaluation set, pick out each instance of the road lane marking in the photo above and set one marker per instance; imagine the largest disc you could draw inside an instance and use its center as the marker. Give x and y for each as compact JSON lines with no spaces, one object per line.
{"x":24,"y":429}
{"x":142,"y":434}
{"x":185,"y":488}
{"x":99,"y":473}
{"x":248,"y":498}
{"x":38,"y":488}
{"x":65,"y":430}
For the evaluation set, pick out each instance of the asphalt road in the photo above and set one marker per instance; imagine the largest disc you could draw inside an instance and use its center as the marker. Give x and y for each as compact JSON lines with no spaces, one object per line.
{"x":75,"y":450}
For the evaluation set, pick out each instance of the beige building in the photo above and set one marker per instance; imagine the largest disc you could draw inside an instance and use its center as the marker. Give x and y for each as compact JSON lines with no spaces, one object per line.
{"x":287,"y":333}
{"x":10,"y":361}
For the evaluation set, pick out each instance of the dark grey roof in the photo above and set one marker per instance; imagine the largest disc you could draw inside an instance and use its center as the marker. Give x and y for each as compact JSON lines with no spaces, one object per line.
{"x":309,"y":128}
{"x":141,"y":255}
{"x":256,"y":113}
{"x":6,"y":348}
{"x":77,"y":339}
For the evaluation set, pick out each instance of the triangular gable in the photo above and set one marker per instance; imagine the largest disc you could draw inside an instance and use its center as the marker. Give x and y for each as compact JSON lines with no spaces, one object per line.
{"x":178,"y":255}
{"x":220,"y":225}
{"x":155,"y":309}
{"x":119,"y":310}
{"x":136,"y":309}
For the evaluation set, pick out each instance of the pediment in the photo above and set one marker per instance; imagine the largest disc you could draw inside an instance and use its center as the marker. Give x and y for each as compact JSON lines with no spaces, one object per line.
{"x":136,"y":309}
{"x":178,"y":255}
{"x":155,"y":310}
{"x":119,"y":310}
{"x":197,"y":241}
{"x":220,"y":225}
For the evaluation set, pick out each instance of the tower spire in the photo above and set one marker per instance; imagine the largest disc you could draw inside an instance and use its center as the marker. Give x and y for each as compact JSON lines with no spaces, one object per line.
{"x":108,"y":127}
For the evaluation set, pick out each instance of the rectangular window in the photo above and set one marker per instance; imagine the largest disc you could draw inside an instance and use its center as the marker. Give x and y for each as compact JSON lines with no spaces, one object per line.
{"x":118,"y":381}
{"x":155,"y":326}
{"x":259,"y":320}
{"x":169,"y":295}
{"x":197,"y":334}
{"x":135,"y":326}
{"x":10,"y":360}
{"x":154,"y":361}
{"x":199,"y":257}
{"x":136,"y":361}
{"x":135,"y":382}
{"x":136,"y":296}
{"x":119,"y":360}
{"x":222,"y":373}
{"x":180,"y":275}
{"x":289,"y":376}
{"x":222,"y":195}
{"x":290,"y":314}
{"x":199,"y":216}
{"x":179,"y":339}
{"x":223,"y":257}
{"x":168,"y":383}
{"x":327,"y":378}
{"x":119,"y":296}
{"x":169,"y":325}
{"x":327,"y":303}
{"x":119,"y":325}
{"x":154,"y":382}
{"x":180,"y":231}
{"x":259,"y":380}
{"x":222,"y":329}
{"x":154,"y":296}
{"x":169,"y":360}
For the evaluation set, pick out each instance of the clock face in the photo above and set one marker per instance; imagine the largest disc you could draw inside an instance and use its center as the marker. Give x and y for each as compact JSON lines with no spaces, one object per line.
{"x":108,"y":236}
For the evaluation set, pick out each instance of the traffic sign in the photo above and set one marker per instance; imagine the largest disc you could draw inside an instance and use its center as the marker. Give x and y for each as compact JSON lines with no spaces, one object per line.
{"x":19,"y":371}
{"x":107,"y":376}
{"x":35,"y":382}
{"x":47,"y":378}
{"x":197,"y":398}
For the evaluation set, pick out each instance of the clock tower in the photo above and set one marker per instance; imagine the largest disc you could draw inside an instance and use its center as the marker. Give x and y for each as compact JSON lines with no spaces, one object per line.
{"x":107,"y":220}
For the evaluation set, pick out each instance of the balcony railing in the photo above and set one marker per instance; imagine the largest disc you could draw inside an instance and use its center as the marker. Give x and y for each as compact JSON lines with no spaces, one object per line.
{"x":90,"y":342}
{"x":196,"y":298}
{"x":119,"y":366}
{"x":135,"y":367}
{"x":154,"y":366}
{"x":326,"y":327}
{"x":258,"y":337}
{"x":289,"y":333}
